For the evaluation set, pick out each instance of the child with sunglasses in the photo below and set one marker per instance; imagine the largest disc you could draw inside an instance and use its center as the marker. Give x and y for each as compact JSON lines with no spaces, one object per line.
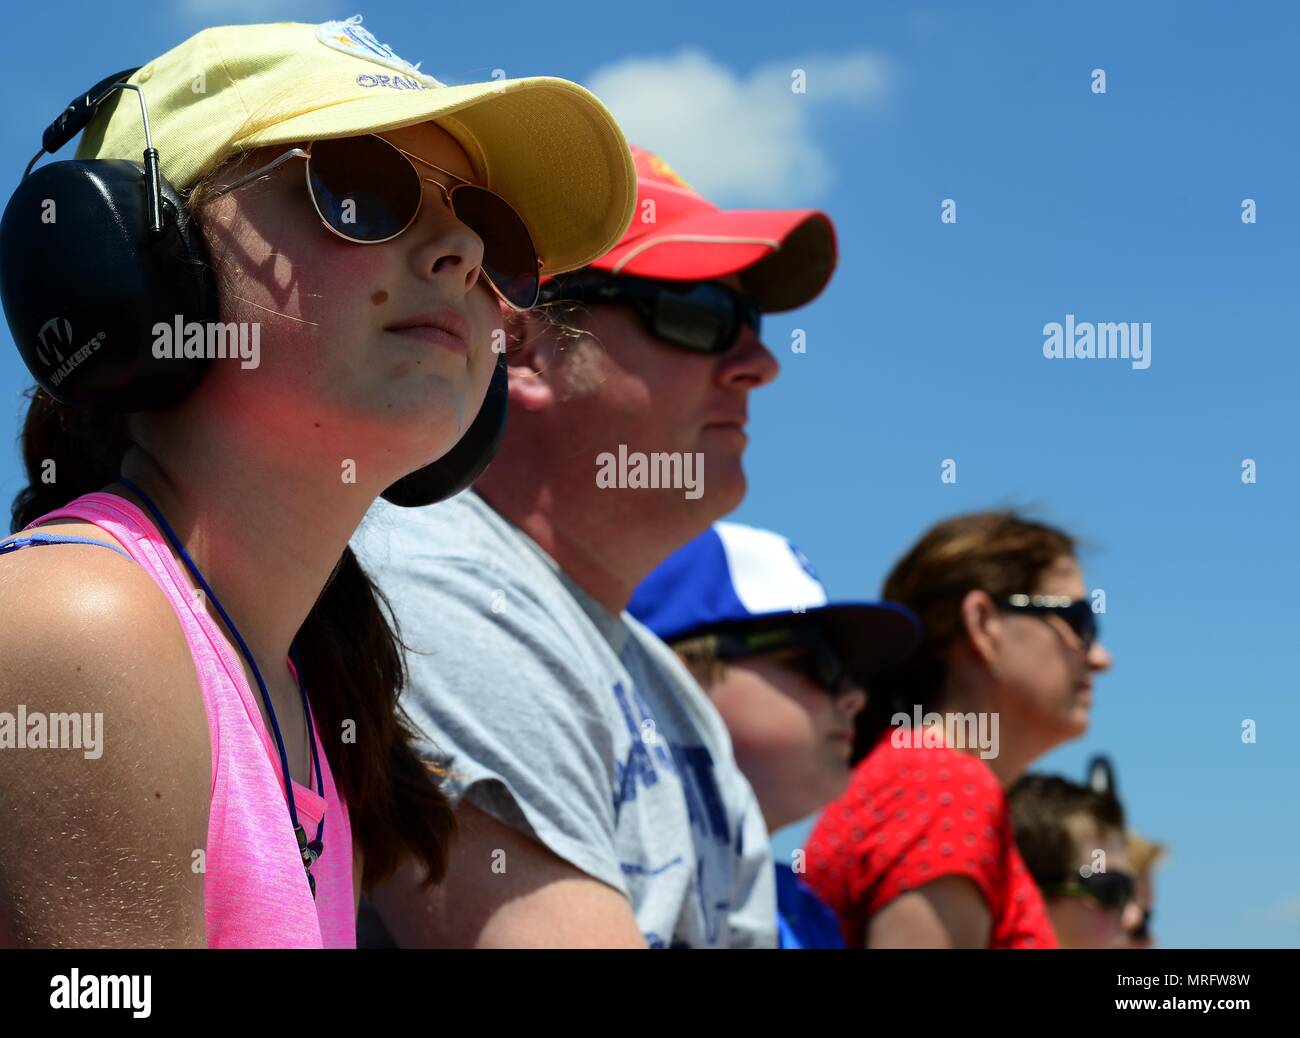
{"x":228,"y":646}
{"x":919,"y":851}
{"x":788,"y":671}
{"x":1073,"y":841}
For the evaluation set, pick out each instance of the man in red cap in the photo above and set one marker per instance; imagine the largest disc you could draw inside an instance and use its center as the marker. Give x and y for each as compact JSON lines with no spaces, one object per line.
{"x":783,"y":258}
{"x":597,"y":793}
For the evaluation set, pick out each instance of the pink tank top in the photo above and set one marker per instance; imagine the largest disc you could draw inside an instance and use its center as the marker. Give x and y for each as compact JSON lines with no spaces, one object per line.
{"x":255,"y":893}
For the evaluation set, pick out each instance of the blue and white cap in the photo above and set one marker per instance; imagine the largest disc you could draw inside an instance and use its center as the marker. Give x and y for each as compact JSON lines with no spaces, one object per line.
{"x":735,"y":576}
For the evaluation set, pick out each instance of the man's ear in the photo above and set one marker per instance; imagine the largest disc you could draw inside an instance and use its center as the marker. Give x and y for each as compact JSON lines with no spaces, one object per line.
{"x":529,"y":353}
{"x":981,"y":622}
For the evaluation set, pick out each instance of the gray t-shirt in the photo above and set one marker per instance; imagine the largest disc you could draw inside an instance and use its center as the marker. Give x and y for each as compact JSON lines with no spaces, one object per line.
{"x":574,"y":726}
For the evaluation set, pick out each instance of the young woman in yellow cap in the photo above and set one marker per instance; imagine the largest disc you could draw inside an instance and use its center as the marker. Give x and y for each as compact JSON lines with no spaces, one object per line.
{"x":222,"y":760}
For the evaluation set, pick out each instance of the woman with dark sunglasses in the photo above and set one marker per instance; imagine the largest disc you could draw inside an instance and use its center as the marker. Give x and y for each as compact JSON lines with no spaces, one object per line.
{"x":254,"y":773}
{"x":919,"y":851}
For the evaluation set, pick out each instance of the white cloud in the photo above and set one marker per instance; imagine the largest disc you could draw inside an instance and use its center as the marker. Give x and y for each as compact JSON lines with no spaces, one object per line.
{"x":741,"y":140}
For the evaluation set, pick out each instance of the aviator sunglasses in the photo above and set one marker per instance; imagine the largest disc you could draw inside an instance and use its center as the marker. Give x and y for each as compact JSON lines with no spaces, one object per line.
{"x":367,"y":190}
{"x":699,"y":316}
{"x":1076,"y":612}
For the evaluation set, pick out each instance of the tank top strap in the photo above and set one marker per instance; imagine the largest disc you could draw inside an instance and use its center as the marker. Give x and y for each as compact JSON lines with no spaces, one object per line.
{"x":37,"y":539}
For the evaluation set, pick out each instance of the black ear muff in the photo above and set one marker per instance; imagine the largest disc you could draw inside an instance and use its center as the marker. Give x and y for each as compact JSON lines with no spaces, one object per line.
{"x":466,"y":461}
{"x":96,"y":257}
{"x":87,"y":288}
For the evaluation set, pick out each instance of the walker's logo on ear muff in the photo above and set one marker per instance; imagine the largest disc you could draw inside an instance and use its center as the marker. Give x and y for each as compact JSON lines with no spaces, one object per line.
{"x":351,"y":39}
{"x":55,"y":333}
{"x":58,"y":329}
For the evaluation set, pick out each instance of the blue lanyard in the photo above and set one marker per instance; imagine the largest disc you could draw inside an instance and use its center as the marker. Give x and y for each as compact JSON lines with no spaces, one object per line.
{"x":309,"y":851}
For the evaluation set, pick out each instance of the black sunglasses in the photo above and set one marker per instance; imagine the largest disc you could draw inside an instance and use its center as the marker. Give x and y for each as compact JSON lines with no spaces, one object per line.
{"x":1076,"y":612}
{"x":367,"y":190}
{"x":1111,"y":890}
{"x":820,"y":662}
{"x":700,"y":316}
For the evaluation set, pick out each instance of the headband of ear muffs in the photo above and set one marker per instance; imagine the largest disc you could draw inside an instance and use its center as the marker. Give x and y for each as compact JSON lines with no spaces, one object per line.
{"x":94,"y":253}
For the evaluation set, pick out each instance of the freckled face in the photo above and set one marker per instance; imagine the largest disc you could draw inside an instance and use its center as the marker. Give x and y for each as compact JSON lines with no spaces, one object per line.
{"x":335,"y":377}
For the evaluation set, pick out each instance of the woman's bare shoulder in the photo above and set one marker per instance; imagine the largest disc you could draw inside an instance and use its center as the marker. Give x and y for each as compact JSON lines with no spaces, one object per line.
{"x":42,"y":582}
{"x":107,"y":790}
{"x":83,"y":602}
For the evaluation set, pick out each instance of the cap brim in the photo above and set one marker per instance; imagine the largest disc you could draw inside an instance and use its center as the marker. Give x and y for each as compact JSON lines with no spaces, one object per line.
{"x":545,"y":145}
{"x":871,"y":637}
{"x":784,"y":257}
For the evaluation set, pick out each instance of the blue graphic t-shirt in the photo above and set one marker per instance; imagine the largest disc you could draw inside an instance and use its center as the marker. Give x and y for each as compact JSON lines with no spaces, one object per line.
{"x":574,"y":726}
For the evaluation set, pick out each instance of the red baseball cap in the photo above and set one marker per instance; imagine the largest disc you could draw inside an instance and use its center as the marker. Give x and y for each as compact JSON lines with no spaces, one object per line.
{"x":784,"y":257}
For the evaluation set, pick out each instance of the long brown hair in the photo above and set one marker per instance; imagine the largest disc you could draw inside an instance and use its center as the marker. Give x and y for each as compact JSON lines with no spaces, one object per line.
{"x":351,"y":655}
{"x":1000,"y":553}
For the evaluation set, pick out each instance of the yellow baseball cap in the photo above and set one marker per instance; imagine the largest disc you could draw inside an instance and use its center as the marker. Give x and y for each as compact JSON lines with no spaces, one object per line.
{"x":548,"y":146}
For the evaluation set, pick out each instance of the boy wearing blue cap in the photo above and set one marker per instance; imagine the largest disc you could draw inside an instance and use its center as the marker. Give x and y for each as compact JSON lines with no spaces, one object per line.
{"x":786,"y":669}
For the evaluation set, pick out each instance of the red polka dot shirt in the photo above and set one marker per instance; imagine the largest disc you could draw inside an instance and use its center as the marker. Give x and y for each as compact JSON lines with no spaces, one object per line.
{"x":912,"y":815}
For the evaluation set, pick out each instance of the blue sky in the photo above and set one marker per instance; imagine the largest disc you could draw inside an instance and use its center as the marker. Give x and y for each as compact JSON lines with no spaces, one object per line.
{"x":1123,"y":206}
